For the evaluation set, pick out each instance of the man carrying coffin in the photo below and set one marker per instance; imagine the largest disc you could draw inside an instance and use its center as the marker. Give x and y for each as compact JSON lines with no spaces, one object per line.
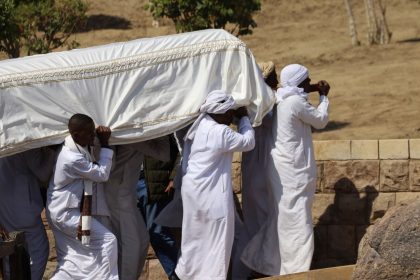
{"x":76,"y":206}
{"x":208,"y":208}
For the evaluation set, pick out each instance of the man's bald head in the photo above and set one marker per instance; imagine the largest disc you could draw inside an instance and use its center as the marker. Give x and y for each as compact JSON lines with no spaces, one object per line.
{"x":82,"y":129}
{"x":78,"y":122}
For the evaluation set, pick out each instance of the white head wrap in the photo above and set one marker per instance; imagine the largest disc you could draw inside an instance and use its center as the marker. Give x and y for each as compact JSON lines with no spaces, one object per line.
{"x":217,"y":102}
{"x":291,"y":76}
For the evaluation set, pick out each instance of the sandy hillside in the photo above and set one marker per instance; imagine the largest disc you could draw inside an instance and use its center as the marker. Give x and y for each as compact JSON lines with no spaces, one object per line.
{"x":374,"y":89}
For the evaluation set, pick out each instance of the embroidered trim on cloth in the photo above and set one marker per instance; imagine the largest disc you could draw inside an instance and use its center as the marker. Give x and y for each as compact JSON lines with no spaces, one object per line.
{"x":95,"y":70}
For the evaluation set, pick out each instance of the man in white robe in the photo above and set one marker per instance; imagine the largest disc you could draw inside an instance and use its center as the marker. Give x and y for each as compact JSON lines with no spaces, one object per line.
{"x":75,"y":169}
{"x":256,"y":196}
{"x":21,"y":202}
{"x":208,"y":208}
{"x":292,"y":178}
{"x":120,"y":191}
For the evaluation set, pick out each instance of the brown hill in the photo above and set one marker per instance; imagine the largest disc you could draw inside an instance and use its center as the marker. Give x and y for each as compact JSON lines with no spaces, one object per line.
{"x":374,"y":89}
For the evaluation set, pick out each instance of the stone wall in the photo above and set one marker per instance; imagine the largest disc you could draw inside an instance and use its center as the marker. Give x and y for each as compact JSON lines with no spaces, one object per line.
{"x":358,"y":181}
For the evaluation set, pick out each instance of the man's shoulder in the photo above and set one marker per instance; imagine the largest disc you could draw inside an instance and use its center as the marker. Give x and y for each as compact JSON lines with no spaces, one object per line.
{"x":68,"y":156}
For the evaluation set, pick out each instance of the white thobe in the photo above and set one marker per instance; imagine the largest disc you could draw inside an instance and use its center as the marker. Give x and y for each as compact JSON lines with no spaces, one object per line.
{"x":98,"y":260}
{"x":21,"y":203}
{"x":208,"y":209}
{"x":120,"y":190}
{"x":293,"y":182}
{"x":256,"y":196}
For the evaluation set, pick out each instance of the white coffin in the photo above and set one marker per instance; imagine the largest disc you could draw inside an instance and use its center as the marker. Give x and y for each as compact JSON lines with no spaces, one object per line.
{"x":142,"y":89}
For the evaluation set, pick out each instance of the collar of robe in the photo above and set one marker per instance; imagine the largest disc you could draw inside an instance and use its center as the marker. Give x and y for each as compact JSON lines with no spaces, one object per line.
{"x":285,"y":92}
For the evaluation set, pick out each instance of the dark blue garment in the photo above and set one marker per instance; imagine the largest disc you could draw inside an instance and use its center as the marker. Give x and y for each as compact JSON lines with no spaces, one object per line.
{"x":161,"y":239}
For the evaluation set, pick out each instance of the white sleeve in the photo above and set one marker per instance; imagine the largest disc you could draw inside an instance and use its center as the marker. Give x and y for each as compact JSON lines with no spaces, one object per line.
{"x":316,"y":117}
{"x":240,"y":141}
{"x":97,"y":172}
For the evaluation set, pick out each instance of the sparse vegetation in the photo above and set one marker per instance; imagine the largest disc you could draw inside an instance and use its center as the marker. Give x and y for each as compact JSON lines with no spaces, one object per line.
{"x":39,"y":26}
{"x":189,"y":15}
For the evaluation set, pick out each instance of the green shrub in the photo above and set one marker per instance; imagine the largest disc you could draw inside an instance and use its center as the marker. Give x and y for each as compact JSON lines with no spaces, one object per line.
{"x":40,"y":26}
{"x":189,"y":15}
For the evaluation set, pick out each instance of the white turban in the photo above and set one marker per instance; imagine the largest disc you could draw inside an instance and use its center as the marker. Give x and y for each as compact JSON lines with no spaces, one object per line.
{"x":217,"y":102}
{"x":293,"y":75}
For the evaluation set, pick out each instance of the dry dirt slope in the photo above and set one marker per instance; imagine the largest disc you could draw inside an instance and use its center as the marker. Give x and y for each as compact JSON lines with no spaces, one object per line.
{"x":374,"y":89}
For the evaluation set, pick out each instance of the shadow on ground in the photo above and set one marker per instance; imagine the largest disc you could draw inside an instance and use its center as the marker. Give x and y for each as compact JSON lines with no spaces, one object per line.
{"x":332,"y":125}
{"x":101,"y":21}
{"x":411,"y":40}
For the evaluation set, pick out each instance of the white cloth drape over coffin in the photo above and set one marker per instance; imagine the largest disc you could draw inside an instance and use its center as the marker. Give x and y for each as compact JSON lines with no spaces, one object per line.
{"x":142,"y":89}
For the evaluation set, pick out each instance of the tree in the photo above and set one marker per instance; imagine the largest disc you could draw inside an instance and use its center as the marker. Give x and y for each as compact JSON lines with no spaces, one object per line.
{"x":39,"y":26}
{"x":352,"y":24}
{"x":189,"y":15}
{"x":378,"y":30}
{"x":9,"y":29}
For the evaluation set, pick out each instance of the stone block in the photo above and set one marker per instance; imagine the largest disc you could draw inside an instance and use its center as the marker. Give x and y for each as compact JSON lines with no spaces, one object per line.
{"x":406,"y":196}
{"x":341,"y":242}
{"x":393,"y":149}
{"x":414,"y":148}
{"x":364,"y":149}
{"x":236,"y":177}
{"x":351,"y":176}
{"x":414,"y":169}
{"x":320,"y":176}
{"x":321,"y":208}
{"x":332,"y":150}
{"x":237,"y":157}
{"x":378,"y":204}
{"x":394,"y":175}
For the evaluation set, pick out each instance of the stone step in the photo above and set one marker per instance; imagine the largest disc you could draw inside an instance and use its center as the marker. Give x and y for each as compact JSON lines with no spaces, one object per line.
{"x":332,"y":273}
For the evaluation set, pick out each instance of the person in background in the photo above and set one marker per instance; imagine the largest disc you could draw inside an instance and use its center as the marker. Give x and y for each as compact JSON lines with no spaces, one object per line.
{"x":21,"y":202}
{"x":120,"y":191}
{"x":256,"y":196}
{"x":155,"y":191}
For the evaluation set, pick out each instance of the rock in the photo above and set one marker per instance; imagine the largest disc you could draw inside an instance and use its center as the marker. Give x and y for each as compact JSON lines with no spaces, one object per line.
{"x":391,"y":247}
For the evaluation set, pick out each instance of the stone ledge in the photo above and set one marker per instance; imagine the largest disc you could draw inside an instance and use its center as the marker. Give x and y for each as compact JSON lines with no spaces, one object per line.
{"x":332,"y":273}
{"x":393,"y":149}
{"x":414,"y":148}
{"x":364,"y":149}
{"x":406,"y":196}
{"x":332,"y":150}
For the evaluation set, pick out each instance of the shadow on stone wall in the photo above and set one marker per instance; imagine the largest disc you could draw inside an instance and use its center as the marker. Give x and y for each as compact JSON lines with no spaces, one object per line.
{"x":342,"y":225}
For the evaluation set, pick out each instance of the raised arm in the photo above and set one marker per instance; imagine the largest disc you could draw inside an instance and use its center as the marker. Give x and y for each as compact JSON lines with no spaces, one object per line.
{"x":316,"y":117}
{"x":240,"y":141}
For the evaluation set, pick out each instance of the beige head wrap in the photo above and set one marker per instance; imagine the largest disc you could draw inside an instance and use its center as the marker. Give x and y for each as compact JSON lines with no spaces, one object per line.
{"x":266,"y":68}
